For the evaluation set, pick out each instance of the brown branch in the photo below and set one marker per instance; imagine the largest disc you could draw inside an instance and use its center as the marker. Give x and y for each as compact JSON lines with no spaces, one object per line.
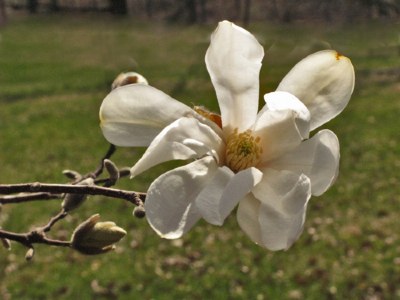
{"x":37,"y":236}
{"x":35,"y":187}
{"x":61,"y":215}
{"x":24,"y":192}
{"x":33,"y":237}
{"x":100,"y":168}
{"x":25,"y":197}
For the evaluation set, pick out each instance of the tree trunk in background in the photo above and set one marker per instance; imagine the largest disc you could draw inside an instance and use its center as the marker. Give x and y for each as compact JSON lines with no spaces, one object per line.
{"x":246,"y":16}
{"x":3,"y":15}
{"x":32,"y":6}
{"x":149,"y":8}
{"x":192,"y":12}
{"x":54,"y":6}
{"x":203,"y":11}
{"x":238,"y":9}
{"x":118,"y":7}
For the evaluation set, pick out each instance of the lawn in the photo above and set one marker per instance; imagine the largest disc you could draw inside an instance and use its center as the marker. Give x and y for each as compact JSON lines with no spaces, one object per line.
{"x":54,"y":73}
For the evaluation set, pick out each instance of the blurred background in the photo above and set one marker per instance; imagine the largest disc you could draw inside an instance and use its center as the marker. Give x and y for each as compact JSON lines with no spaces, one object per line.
{"x":202,"y":11}
{"x":57,"y":62}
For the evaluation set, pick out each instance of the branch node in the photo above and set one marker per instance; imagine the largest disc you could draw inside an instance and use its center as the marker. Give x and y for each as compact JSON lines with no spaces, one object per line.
{"x":35,"y":187}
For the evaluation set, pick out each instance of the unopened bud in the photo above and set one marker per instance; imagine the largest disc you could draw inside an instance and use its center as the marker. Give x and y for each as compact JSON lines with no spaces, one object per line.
{"x":123,"y":172}
{"x":72,"y":201}
{"x":29,"y":254}
{"x":128,"y":78}
{"x":139,"y":212}
{"x":6,"y":243}
{"x":71,"y":174}
{"x":112,"y":171}
{"x":94,"y":237}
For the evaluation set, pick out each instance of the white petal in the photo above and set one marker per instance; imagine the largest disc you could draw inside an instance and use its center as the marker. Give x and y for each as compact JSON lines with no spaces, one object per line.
{"x":224,"y":191}
{"x":133,"y":115}
{"x":278,"y":101}
{"x":324,"y":82}
{"x":317,"y":157}
{"x":170,"y":201}
{"x":247,"y":216}
{"x":282,"y":124}
{"x":284,"y":196}
{"x":186,"y":138}
{"x":234,"y":62}
{"x":280,"y":231}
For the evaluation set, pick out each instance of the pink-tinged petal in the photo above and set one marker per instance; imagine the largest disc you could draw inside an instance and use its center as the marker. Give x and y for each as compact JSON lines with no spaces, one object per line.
{"x":283,"y":196}
{"x":281,"y":125}
{"x":133,"y":115}
{"x":224,"y":191}
{"x":324,"y":82}
{"x":186,"y":138}
{"x":234,"y":61}
{"x":318,"y":158}
{"x":170,"y":201}
{"x":247,"y":217}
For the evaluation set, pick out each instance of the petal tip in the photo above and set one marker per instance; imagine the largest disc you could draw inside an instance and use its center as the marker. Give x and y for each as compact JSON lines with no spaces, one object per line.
{"x":340,"y":56}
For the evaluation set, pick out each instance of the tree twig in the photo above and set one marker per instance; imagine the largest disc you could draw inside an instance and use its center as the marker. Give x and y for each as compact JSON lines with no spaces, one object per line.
{"x":25,"y":192}
{"x":33,"y":237}
{"x":135,"y":198}
{"x":100,"y":168}
{"x":25,"y":197}
{"x":61,"y":215}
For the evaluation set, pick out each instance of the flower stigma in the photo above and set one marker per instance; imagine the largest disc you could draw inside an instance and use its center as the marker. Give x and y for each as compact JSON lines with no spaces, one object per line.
{"x":243,"y":150}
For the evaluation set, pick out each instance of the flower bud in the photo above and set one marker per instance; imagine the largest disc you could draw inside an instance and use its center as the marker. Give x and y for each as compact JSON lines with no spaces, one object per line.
{"x":128,"y":78}
{"x":94,"y":237}
{"x":112,"y":171}
{"x":6,"y":243}
{"x":139,"y":212}
{"x":72,"y":201}
{"x":123,"y":172}
{"x":29,"y":254}
{"x":71,"y":174}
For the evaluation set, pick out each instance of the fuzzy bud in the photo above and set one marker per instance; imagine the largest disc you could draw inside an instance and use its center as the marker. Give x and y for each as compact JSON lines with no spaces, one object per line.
{"x":112,"y":171}
{"x":72,"y":201}
{"x":94,"y":237}
{"x":139,"y":212}
{"x":29,"y":254}
{"x":123,"y":172}
{"x":128,"y":78}
{"x":71,"y":174}
{"x":6,"y":243}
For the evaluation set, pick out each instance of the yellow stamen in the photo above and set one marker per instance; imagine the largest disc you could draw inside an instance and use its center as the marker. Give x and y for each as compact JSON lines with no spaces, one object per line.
{"x":243,"y":150}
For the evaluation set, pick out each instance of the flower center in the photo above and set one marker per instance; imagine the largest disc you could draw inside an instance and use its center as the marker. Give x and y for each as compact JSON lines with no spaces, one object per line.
{"x":243,"y":150}
{"x":209,"y":115}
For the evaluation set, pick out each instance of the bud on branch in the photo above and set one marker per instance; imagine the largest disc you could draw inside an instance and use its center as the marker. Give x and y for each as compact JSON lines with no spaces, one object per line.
{"x":94,"y":237}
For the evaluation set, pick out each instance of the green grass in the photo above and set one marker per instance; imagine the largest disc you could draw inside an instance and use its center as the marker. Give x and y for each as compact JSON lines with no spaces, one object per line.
{"x":54,"y":73}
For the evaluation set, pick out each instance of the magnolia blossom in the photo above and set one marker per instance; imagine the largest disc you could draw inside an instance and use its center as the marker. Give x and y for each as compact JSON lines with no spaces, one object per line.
{"x":263,"y":161}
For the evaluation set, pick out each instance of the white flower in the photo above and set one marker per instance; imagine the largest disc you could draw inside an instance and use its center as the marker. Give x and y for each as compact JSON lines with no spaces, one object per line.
{"x":264,"y":161}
